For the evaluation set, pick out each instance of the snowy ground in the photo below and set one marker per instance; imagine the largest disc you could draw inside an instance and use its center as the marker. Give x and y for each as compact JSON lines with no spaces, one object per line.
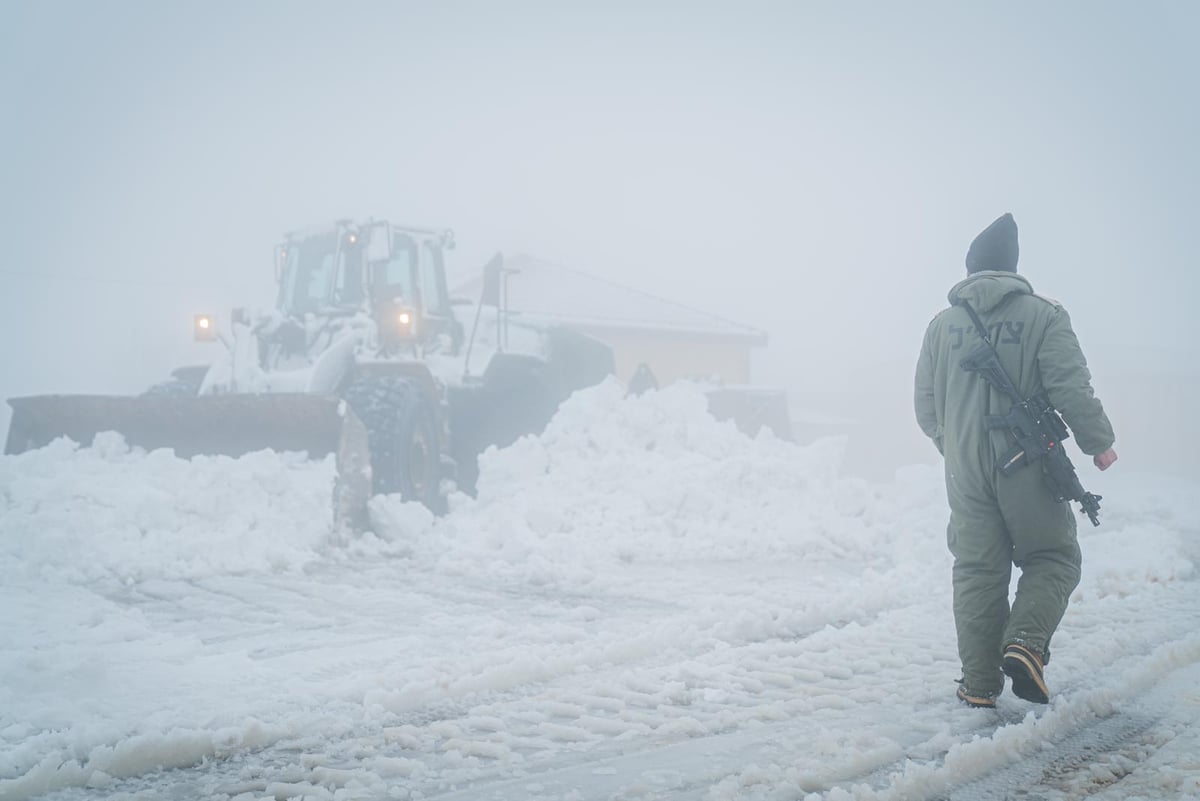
{"x":640,"y":604}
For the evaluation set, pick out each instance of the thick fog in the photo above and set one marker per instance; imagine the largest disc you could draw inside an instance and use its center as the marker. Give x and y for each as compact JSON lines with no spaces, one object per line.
{"x":815,"y":170}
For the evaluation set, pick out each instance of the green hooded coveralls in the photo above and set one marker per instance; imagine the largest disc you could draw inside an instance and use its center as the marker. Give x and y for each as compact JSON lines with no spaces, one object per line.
{"x":997,"y":521}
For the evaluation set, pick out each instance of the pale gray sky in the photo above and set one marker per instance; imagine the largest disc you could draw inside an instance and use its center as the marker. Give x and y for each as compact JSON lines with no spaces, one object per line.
{"x":814,"y":169}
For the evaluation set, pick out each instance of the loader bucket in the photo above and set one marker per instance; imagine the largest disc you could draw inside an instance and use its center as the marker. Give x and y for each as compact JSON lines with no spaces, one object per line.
{"x":229,"y":425}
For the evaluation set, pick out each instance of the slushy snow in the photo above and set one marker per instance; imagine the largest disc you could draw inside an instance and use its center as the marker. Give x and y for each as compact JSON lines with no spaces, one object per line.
{"x":640,"y":603}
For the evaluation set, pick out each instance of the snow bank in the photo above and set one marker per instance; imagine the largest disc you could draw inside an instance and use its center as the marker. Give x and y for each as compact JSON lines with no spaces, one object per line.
{"x":612,"y":481}
{"x":616,"y":480}
{"x":72,"y":513}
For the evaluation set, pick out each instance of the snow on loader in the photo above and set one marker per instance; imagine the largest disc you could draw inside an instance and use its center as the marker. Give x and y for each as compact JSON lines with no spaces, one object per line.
{"x":364,"y":356}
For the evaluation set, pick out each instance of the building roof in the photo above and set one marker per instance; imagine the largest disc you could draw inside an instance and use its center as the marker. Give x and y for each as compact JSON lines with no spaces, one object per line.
{"x":542,"y":291}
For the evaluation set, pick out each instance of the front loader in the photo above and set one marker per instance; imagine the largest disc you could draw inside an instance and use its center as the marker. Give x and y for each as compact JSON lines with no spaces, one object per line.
{"x":364,"y":356}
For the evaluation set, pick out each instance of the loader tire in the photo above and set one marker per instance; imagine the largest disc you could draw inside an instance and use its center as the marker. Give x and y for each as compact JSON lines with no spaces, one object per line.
{"x":402,"y":435}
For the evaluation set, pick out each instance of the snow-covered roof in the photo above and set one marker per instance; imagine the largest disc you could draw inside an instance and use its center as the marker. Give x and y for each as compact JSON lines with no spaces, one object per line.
{"x":542,"y":291}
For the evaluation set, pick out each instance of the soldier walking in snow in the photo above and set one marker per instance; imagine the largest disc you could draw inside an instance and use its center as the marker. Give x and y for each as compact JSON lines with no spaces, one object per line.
{"x":1000,"y":519}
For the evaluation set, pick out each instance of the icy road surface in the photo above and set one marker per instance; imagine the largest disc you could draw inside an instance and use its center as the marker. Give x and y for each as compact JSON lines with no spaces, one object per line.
{"x":641,"y":604}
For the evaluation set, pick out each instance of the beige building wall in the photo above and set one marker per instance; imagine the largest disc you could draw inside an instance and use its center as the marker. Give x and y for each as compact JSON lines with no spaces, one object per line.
{"x":672,"y":357}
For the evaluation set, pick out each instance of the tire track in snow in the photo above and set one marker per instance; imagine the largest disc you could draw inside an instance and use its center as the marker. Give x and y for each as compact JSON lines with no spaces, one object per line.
{"x":1051,"y":775}
{"x":688,"y":716}
{"x":646,"y":710}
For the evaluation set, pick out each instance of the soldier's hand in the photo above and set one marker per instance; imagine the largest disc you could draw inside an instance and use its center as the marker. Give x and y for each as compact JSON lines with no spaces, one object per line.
{"x":1105,"y":460}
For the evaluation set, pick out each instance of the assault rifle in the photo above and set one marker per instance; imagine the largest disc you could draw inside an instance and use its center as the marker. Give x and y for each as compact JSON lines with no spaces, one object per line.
{"x":1035,"y":426}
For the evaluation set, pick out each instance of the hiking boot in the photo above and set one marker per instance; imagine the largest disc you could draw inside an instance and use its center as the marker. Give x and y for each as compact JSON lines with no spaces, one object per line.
{"x":975,"y":700}
{"x":1024,"y":667}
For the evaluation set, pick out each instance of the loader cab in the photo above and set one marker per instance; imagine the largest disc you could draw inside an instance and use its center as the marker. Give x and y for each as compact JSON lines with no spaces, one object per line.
{"x":396,"y":274}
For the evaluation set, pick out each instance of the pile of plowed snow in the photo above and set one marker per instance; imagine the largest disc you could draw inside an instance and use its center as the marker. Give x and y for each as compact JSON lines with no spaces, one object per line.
{"x":107,"y":511}
{"x":613,"y":481}
{"x":616,"y":480}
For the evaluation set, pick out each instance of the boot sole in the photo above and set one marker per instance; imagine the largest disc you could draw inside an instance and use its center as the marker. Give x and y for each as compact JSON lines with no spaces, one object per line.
{"x":975,"y":701}
{"x":1027,"y":682}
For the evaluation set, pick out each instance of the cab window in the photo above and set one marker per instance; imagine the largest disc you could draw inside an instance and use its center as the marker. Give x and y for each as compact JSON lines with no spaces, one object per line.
{"x":349,"y":287}
{"x":308,"y":274}
{"x":433,"y":288}
{"x":396,"y":277}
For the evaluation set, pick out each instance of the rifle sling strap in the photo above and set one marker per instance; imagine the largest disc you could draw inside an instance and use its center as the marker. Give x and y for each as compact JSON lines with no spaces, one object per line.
{"x":983,"y":334}
{"x":975,"y":319}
